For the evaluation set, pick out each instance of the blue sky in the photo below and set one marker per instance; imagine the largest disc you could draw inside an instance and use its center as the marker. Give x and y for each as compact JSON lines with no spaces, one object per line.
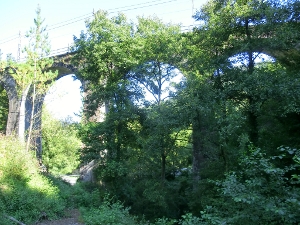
{"x":65,"y":18}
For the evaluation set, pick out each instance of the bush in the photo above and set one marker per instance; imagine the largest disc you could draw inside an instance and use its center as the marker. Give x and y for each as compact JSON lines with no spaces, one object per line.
{"x":60,"y":145}
{"x":109,"y":212}
{"x":25,"y":194}
{"x":262,"y":192}
{"x":189,"y":219}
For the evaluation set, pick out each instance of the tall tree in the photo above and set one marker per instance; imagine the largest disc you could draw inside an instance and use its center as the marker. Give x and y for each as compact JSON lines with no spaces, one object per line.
{"x":105,"y":54}
{"x":231,"y":33}
{"x":162,"y":53}
{"x":17,"y":79}
{"x":241,"y":30}
{"x":37,"y":51}
{"x":124,"y":65}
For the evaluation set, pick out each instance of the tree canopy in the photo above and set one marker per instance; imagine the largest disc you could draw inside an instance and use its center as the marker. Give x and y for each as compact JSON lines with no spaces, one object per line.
{"x":201,"y":126}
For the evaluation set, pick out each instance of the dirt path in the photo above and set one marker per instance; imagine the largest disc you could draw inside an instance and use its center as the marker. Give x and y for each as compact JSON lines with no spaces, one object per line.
{"x":73,"y":218}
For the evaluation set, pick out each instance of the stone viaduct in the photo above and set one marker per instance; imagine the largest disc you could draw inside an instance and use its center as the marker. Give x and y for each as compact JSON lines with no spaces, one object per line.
{"x":19,"y":119}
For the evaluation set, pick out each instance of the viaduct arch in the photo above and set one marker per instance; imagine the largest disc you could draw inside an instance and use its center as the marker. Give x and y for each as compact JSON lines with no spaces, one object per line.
{"x":18,"y":120}
{"x":61,"y":64}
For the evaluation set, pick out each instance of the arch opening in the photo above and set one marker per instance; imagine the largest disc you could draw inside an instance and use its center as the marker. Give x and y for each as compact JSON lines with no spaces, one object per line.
{"x":242,"y":59}
{"x":155,"y":82}
{"x":64,"y":98}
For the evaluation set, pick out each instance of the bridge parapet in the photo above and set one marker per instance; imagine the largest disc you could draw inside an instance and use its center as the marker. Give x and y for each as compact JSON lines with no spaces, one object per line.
{"x":63,"y":64}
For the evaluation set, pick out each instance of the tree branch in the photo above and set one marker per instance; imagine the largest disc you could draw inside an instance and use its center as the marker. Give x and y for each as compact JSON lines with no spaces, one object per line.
{"x":13,"y":219}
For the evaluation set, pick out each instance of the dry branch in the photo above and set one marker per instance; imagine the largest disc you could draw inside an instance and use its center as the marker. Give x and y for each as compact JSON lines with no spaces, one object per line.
{"x":13,"y":219}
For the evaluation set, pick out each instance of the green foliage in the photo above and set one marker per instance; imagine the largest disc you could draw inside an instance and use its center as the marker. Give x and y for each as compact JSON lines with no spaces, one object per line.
{"x":24,"y":193}
{"x":85,"y":195}
{"x":189,"y":219}
{"x":260,"y":192}
{"x":164,"y":221}
{"x":109,"y":48}
{"x":34,"y":70}
{"x":227,"y":101}
{"x":135,"y":147}
{"x":39,"y":76}
{"x":60,"y":145}
{"x":109,"y":212}
{"x":113,"y":212}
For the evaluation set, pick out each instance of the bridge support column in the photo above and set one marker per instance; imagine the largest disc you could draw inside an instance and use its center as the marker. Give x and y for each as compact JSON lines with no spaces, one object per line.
{"x":10,"y":86}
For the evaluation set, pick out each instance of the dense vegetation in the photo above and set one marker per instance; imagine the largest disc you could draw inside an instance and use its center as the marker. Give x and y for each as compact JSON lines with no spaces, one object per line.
{"x":25,"y":194}
{"x":201,"y":127}
{"x":60,"y":145}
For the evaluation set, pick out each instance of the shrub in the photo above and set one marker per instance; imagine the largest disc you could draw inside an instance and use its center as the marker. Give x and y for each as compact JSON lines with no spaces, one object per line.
{"x":109,"y":212}
{"x":25,"y":194}
{"x":262,"y":192}
{"x":60,"y":145}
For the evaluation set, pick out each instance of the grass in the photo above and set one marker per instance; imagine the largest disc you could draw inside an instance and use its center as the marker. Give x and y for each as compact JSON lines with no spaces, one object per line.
{"x":25,"y":194}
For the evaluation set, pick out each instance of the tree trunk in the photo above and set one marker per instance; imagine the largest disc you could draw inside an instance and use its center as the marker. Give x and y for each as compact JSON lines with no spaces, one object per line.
{"x":198,"y":150}
{"x":31,"y":119}
{"x":36,"y":138}
{"x":163,"y":167}
{"x":13,"y":219}
{"x":253,"y":123}
{"x":252,"y":117}
{"x":22,"y":114}
{"x":33,"y":108}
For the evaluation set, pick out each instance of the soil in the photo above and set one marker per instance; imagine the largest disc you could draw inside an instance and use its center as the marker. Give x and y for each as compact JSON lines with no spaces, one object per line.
{"x":72,"y":218}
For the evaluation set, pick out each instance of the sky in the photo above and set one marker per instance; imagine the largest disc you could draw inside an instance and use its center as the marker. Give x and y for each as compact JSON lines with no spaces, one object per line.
{"x":64,"y":19}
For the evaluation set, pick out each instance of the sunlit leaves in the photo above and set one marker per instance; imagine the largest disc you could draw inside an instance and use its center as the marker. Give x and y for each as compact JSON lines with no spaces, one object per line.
{"x":106,"y":48}
{"x":61,"y":145}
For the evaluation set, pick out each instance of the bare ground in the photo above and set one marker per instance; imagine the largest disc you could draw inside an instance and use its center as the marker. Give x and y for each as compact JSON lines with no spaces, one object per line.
{"x":72,"y":218}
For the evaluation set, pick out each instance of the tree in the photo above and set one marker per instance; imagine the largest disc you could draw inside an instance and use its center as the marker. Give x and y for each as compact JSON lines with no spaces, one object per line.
{"x":234,"y":34}
{"x":37,"y":52}
{"x":238,"y":92}
{"x":105,"y":54}
{"x":162,"y":51}
{"x":243,"y":30}
{"x":17,"y":79}
{"x":199,"y":110}
{"x":227,"y":101}
{"x":198,"y":99}
{"x":138,"y":140}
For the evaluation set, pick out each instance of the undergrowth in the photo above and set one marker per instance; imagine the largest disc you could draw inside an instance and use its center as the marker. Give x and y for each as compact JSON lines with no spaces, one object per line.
{"x":29,"y":196}
{"x":25,"y":194}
